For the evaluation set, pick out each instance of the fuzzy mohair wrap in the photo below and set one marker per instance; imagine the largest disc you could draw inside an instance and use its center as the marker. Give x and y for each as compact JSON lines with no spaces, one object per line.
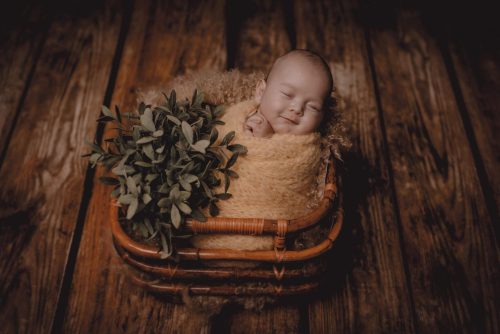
{"x":279,"y":177}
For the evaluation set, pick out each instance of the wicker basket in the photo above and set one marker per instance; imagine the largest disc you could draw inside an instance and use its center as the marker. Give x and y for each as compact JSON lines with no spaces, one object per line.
{"x":279,"y":272}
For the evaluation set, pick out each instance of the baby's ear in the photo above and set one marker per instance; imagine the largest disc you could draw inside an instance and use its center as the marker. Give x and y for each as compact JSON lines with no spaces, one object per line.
{"x":259,"y":91}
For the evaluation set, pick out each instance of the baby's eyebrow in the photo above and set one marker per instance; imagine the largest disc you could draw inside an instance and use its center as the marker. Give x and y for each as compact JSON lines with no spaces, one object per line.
{"x":286,"y":85}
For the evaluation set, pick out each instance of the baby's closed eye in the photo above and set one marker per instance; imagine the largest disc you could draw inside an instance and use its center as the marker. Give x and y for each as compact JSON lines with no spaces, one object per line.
{"x":286,"y":94}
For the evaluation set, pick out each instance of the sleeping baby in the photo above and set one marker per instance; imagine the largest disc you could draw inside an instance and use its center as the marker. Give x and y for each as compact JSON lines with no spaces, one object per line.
{"x":292,"y":98}
{"x":283,"y":121}
{"x":280,"y":128}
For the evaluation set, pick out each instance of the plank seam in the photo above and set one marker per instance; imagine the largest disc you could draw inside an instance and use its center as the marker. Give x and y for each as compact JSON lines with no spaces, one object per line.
{"x":391,"y":174}
{"x":471,"y":137}
{"x":232,"y":28}
{"x":288,"y":13}
{"x":26,"y":87}
{"x":62,"y":303}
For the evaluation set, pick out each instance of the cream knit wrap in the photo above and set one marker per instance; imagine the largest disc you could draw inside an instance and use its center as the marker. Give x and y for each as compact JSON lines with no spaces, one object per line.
{"x":277,"y":179}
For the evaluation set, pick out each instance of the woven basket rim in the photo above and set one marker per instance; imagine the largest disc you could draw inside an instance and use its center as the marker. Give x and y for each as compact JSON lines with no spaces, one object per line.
{"x":280,"y":227}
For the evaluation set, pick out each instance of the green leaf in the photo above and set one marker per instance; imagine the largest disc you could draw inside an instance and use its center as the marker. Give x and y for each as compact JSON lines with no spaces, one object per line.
{"x":207,"y":190}
{"x":147,"y":120}
{"x":126,"y":199}
{"x":198,"y":98}
{"x":164,"y":189}
{"x":158,"y":133}
{"x":218,"y":110}
{"x":171,"y":100}
{"x":148,"y":150}
{"x":165,"y":202}
{"x":174,"y":119}
{"x":96,"y":148}
{"x":232,"y":173}
{"x":190,"y":178}
{"x":143,"y":229}
{"x":145,"y":140}
{"x":175,"y":216}
{"x":118,"y":116}
{"x":107,"y":112}
{"x":116,"y":192}
{"x":131,"y":186}
{"x":146,"y":198}
{"x":213,"y":209}
{"x":142,"y":107}
{"x":201,"y":145}
{"x":147,"y":223}
{"x":187,"y":130}
{"x":231,"y":160}
{"x":184,"y":195}
{"x":184,"y":207}
{"x":132,"y":208}
{"x":224,"y":196}
{"x":160,"y":149}
{"x":174,"y":192}
{"x":185,"y":185}
{"x":227,"y":138}
{"x":166,"y":249}
{"x":213,"y":135}
{"x":143,"y":164}
{"x":227,"y":182}
{"x":198,"y":215}
{"x":151,"y":177}
{"x":237,"y":148}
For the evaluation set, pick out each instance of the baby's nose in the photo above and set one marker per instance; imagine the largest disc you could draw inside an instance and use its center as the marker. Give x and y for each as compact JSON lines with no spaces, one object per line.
{"x":297,"y":109}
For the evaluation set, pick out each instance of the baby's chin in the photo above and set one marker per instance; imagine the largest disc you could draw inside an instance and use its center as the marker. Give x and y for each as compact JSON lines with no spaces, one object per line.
{"x":289,"y":129}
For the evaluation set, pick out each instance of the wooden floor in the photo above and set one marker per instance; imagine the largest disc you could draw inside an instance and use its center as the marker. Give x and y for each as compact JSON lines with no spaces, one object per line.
{"x":420,"y":89}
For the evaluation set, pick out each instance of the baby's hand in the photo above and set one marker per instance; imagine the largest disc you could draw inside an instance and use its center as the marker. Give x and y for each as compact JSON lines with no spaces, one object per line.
{"x":257,"y":126}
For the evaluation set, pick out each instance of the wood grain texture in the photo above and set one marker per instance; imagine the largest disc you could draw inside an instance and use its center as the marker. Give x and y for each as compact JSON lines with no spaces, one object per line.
{"x":448,"y":234}
{"x":260,"y":36}
{"x":259,"y":31}
{"x":43,"y":174}
{"x":278,"y":319}
{"x":21,"y":36}
{"x":371,"y":294}
{"x":163,"y":39}
{"x":477,"y":67}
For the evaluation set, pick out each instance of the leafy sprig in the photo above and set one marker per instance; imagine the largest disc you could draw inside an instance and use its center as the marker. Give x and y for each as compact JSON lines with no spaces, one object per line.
{"x":167,"y":163}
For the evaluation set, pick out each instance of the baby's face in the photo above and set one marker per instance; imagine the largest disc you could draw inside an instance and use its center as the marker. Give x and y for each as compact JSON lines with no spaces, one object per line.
{"x":293,"y":97}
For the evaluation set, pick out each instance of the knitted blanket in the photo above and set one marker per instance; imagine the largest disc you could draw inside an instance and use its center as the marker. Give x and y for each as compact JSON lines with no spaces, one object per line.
{"x":277,"y":180}
{"x":277,"y":176}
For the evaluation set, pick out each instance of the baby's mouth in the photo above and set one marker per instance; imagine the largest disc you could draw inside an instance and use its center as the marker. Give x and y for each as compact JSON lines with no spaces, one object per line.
{"x":290,"y":120}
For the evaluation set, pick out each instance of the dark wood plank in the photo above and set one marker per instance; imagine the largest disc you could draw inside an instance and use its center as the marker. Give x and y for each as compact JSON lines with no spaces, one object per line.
{"x":271,"y":319}
{"x":258,"y":31}
{"x":372,"y":296}
{"x":43,"y":174}
{"x":477,"y":67}
{"x":258,"y":37}
{"x":22,"y":33}
{"x":448,"y":234}
{"x":163,"y":39}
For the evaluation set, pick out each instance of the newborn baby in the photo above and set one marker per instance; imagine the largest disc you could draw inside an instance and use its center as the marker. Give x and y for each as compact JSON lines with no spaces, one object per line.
{"x":292,"y":98}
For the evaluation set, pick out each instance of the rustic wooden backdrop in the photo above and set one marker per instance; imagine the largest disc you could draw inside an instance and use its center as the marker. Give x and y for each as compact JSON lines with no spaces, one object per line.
{"x":420,"y":88}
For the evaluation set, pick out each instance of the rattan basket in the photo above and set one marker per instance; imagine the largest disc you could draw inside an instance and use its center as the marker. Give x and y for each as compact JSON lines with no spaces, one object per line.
{"x":279,"y":272}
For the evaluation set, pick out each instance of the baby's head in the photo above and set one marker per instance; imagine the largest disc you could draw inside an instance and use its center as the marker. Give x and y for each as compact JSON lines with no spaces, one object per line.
{"x":295,"y":92}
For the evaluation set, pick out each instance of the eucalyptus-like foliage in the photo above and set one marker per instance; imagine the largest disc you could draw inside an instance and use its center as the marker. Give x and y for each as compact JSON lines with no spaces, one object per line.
{"x":167,"y":162}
